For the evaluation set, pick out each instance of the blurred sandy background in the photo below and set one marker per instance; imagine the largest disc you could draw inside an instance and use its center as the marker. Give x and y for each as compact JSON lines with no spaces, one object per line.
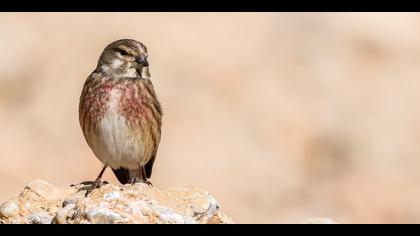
{"x":281,"y":116}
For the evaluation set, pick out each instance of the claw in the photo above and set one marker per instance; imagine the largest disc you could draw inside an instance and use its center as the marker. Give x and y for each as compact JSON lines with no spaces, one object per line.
{"x":133,"y":181}
{"x":91,"y":185}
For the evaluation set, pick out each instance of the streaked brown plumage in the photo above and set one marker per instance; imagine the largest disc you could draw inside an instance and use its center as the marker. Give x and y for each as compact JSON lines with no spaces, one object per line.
{"x":120,"y":114}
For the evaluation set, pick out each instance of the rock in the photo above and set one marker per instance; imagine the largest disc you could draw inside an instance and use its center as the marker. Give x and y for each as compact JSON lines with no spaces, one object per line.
{"x":39,"y":218}
{"x":9,"y":209}
{"x":63,"y":213}
{"x":47,"y":190}
{"x":43,"y":203}
{"x":102,"y":215}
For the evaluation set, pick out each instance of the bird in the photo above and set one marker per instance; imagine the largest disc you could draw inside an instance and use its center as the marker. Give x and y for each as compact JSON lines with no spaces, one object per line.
{"x":120,"y":114}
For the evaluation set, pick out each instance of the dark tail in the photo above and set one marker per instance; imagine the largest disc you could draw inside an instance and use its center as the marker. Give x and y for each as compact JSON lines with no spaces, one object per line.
{"x":149,"y":166}
{"x":123,"y":175}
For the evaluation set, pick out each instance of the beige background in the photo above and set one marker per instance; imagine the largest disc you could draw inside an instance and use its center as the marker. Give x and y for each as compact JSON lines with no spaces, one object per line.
{"x":280,"y":116}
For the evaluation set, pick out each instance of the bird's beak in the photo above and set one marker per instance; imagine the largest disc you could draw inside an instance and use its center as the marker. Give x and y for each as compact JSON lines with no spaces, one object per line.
{"x":142,"y":60}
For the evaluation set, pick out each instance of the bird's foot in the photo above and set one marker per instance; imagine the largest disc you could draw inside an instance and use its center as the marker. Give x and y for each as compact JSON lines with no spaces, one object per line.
{"x":133,"y":181}
{"x":87,"y":183}
{"x":91,"y":185}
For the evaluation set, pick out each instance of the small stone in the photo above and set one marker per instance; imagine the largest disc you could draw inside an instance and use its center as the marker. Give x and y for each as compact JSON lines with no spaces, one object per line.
{"x":46,"y":190}
{"x":102,"y":216}
{"x":9,"y":209}
{"x":204,"y":207}
{"x":63,"y":213}
{"x":168,"y":216}
{"x":40,"y":218}
{"x":69,"y":201}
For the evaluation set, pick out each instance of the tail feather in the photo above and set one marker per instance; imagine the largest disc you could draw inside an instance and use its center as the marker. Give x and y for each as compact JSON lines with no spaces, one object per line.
{"x":149,"y":166}
{"x":123,"y":175}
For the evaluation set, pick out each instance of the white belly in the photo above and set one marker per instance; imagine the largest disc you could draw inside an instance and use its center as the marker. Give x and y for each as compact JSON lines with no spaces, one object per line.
{"x":115,"y":144}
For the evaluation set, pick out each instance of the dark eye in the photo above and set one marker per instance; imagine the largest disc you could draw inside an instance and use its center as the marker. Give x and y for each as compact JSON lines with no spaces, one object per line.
{"x":122,"y":52}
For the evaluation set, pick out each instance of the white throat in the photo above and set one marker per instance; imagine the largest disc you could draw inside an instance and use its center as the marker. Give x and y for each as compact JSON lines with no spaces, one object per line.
{"x":115,"y":68}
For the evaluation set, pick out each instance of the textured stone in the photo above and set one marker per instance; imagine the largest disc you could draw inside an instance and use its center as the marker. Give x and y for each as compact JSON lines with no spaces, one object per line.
{"x":9,"y":209}
{"x":43,"y":203}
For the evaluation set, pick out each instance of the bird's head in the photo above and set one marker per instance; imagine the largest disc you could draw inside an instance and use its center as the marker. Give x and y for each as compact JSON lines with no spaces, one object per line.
{"x":125,"y":58}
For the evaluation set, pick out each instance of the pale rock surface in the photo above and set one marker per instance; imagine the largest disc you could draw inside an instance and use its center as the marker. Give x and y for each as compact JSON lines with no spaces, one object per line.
{"x":43,"y":203}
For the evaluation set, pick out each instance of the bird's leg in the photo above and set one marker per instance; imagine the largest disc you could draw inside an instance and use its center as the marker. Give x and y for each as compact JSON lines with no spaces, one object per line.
{"x":95,"y":184}
{"x":136,"y":178}
{"x":133,"y":181}
{"x":140,"y":177}
{"x":98,"y":182}
{"x":145,"y":180}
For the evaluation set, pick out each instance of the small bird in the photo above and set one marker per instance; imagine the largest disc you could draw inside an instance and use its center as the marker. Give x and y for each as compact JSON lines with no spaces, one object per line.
{"x":120,"y":114}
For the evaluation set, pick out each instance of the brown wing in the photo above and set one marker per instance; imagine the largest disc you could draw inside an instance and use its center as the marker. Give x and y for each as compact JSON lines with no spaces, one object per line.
{"x":156,"y":139}
{"x":85,"y":104}
{"x":156,"y":130}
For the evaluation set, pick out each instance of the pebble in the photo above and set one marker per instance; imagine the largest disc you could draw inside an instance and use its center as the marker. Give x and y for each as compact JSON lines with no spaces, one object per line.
{"x":39,"y":218}
{"x":63,"y":213}
{"x":102,"y":216}
{"x":9,"y":209}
